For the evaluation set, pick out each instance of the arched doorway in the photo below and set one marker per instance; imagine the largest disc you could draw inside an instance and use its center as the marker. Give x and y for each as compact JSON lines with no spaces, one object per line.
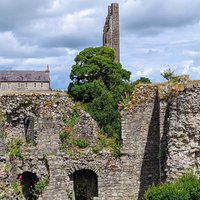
{"x":85,"y":184}
{"x":28,"y":181}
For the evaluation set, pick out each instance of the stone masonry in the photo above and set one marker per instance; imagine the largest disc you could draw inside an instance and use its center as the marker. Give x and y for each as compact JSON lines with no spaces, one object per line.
{"x":160,"y":141}
{"x":160,"y":129}
{"x":44,"y":113}
{"x":111,"y":30}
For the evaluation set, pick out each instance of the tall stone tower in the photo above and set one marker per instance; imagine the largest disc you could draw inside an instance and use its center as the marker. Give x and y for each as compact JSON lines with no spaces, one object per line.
{"x":111,"y":30}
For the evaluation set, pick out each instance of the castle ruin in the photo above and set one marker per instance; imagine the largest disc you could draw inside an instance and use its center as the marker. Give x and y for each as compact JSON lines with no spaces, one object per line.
{"x":111,"y":30}
{"x":160,"y":140}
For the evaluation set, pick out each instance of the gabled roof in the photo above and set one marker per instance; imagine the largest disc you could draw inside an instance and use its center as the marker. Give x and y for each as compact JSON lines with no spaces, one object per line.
{"x":24,"y":76}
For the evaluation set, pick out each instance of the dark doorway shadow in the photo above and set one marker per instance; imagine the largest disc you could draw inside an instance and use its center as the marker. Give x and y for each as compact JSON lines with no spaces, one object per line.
{"x":85,"y":184}
{"x":28,"y":181}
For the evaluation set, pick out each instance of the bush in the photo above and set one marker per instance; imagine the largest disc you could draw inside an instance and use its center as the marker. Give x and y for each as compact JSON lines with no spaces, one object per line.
{"x":14,"y":148}
{"x":108,"y":143}
{"x":186,"y":187}
{"x":68,"y":140}
{"x":81,"y":143}
{"x":64,"y":137}
{"x":40,"y":186}
{"x":168,"y":74}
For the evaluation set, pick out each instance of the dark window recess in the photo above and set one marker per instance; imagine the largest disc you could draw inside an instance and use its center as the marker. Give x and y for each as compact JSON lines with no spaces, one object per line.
{"x":29,"y":130}
{"x":85,"y":184}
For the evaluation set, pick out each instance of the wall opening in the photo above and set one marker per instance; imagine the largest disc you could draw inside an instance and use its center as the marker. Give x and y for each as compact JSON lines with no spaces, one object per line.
{"x":29,"y":130}
{"x":28,"y":181}
{"x":85,"y":184}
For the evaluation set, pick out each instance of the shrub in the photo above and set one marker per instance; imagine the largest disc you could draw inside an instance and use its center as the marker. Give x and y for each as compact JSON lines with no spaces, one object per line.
{"x":14,"y":148}
{"x":109,"y":143}
{"x":186,"y":187}
{"x":68,"y":140}
{"x":39,"y":186}
{"x":81,"y":143}
{"x":64,"y":137}
{"x":168,"y":74}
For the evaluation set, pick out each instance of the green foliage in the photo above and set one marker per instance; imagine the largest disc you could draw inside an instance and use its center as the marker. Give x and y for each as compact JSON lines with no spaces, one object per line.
{"x":73,"y":118}
{"x":100,"y":83}
{"x":17,"y":189}
{"x":14,"y":148}
{"x":66,"y":137}
{"x":186,"y":187}
{"x":2,"y":117}
{"x":168,"y":74}
{"x":126,"y":98}
{"x":81,"y":143}
{"x":107,"y":143}
{"x":141,"y":80}
{"x":40,"y":186}
{"x":68,"y":140}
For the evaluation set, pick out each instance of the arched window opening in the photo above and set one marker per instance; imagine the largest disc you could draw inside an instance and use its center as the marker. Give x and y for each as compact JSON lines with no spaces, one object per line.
{"x":85,"y":184}
{"x":28,"y":181}
{"x":29,"y":130}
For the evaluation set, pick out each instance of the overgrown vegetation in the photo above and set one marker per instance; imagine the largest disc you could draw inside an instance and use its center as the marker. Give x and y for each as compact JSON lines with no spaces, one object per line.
{"x":68,"y":140}
{"x":174,"y":85}
{"x":186,"y":187}
{"x":172,"y":78}
{"x":40,"y":186}
{"x":107,"y":143}
{"x":73,"y":118}
{"x":168,"y":74}
{"x":17,"y":189}
{"x":2,"y":117}
{"x":14,"y":148}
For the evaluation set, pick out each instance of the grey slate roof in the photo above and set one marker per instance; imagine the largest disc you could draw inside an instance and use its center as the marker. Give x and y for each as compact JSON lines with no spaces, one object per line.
{"x":24,"y":76}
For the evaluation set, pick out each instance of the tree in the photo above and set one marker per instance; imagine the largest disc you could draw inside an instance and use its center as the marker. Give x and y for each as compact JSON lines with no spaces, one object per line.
{"x":100,"y":83}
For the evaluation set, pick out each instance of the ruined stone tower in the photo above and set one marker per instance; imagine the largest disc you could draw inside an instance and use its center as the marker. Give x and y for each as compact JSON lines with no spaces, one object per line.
{"x":111,"y":30}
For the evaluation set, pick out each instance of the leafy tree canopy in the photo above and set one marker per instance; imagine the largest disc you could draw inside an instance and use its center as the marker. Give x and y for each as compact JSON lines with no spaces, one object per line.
{"x":100,"y":84}
{"x":95,"y":70}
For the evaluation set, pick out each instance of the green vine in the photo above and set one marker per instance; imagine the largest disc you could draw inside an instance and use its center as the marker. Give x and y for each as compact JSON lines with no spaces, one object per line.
{"x":40,"y":186}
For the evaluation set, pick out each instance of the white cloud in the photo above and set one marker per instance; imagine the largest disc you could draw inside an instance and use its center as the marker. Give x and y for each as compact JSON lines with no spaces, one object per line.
{"x":36,"y":33}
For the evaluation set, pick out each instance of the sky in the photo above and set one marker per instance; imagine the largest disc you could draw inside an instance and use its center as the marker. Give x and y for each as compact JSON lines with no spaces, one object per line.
{"x":154,"y":35}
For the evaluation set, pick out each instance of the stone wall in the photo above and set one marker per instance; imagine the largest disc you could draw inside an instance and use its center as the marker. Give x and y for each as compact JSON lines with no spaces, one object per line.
{"x":184,"y":132}
{"x":160,"y":129}
{"x":141,"y":138}
{"x":24,"y":86}
{"x":38,"y":119}
{"x":111,"y":30}
{"x":160,"y":140}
